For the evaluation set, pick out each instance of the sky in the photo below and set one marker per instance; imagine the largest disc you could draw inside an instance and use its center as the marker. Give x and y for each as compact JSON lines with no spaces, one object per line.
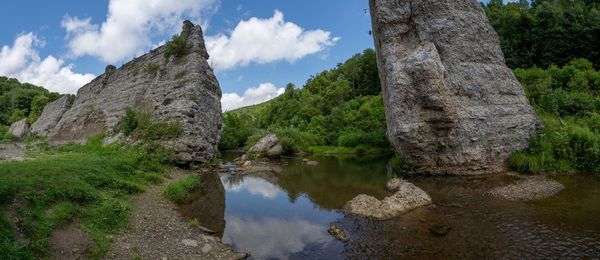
{"x":256,"y":46}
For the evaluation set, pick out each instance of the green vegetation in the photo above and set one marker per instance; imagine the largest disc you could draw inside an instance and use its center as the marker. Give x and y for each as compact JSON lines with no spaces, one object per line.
{"x":180,"y":75}
{"x":152,"y":69}
{"x":179,"y":190}
{"x":21,"y":100}
{"x":547,"y":32}
{"x":177,"y":47}
{"x":83,"y":185}
{"x":141,"y":123}
{"x":568,"y":103}
{"x":336,"y":110}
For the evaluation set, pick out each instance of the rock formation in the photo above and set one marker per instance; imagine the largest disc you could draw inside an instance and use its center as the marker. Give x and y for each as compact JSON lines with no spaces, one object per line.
{"x":176,"y":89}
{"x":19,"y":129}
{"x":407,"y":197}
{"x":451,"y":103}
{"x":52,"y":113}
{"x":268,"y":146}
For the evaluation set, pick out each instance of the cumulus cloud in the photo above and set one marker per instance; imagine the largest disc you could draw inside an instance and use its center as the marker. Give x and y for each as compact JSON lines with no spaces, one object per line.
{"x":129,"y":25}
{"x":252,"y":96}
{"x":22,"y":61}
{"x":264,"y":41}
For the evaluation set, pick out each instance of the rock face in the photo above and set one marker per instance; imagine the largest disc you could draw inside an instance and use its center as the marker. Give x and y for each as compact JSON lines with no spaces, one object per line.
{"x":451,"y":103}
{"x":179,"y":89}
{"x":407,"y":197}
{"x":52,"y":113}
{"x":19,"y":129}
{"x":268,"y":146}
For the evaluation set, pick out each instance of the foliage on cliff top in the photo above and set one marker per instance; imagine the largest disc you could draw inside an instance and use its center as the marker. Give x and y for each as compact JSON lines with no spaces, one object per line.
{"x":177,"y":47}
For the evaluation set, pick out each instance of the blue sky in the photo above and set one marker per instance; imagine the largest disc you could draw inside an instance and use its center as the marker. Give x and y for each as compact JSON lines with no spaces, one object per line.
{"x":257,"y":47}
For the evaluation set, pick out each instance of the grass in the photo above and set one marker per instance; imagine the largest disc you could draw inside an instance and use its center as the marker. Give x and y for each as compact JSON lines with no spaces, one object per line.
{"x":194,"y":223}
{"x":85,"y":185}
{"x":340,"y":150}
{"x":179,"y":190}
{"x":152,"y":69}
{"x":563,"y":146}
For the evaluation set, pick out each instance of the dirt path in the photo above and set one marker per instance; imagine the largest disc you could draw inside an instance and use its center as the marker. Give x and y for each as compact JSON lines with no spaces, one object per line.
{"x":158,"y":231}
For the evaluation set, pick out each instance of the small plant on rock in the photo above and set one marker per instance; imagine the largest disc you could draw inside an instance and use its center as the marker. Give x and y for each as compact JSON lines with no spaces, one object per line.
{"x":152,"y":69}
{"x":177,"y":47}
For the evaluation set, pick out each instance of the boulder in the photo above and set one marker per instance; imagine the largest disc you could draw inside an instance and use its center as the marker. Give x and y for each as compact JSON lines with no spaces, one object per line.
{"x":19,"y":129}
{"x":407,"y":197}
{"x":181,"y":89}
{"x":268,"y":146}
{"x":52,"y":113}
{"x":452,"y":105}
{"x":338,"y":233}
{"x":528,"y":188}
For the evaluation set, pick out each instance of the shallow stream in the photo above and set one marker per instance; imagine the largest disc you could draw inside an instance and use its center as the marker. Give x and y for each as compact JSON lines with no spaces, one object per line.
{"x":286,"y":215}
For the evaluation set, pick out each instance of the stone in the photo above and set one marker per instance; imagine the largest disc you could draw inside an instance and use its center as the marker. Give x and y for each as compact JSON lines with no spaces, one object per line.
{"x":189,"y":242}
{"x":338,"y":233}
{"x":19,"y":129}
{"x":268,"y":146}
{"x":452,"y":105}
{"x":407,"y":198}
{"x":440,"y":230}
{"x":52,"y":113}
{"x":527,"y":189}
{"x":393,"y":184}
{"x":179,"y":89}
{"x":311,"y":163}
{"x":206,"y":248}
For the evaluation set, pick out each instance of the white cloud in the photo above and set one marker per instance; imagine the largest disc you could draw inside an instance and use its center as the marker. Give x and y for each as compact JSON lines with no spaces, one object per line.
{"x":129,"y":25}
{"x":252,"y":96}
{"x":264,"y":41}
{"x":22,"y":61}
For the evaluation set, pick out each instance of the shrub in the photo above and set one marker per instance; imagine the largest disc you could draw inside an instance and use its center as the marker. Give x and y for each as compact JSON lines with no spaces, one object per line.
{"x":140,"y":121}
{"x":178,"y":191}
{"x":152,"y":69}
{"x":177,"y":47}
{"x":180,"y":74}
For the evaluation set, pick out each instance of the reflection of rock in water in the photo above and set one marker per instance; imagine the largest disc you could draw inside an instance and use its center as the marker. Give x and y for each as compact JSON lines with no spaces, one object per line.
{"x":207,"y":204}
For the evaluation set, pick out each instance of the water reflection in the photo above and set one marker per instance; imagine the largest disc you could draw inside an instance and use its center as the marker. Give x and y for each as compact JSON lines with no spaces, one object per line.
{"x":207,"y":204}
{"x":286,"y":215}
{"x":262,"y":220}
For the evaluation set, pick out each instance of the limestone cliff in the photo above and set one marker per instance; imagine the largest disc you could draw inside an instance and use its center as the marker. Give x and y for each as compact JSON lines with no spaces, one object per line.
{"x":451,"y":103}
{"x":178,"y":89}
{"x":52,"y":113}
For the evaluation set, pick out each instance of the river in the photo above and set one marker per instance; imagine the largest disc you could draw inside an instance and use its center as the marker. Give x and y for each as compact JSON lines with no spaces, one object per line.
{"x":286,"y":215}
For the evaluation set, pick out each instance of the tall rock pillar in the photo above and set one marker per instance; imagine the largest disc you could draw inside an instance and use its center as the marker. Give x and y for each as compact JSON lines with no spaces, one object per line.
{"x":452,"y":105}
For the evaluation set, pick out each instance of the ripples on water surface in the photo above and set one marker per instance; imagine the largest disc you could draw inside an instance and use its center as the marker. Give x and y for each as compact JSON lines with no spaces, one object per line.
{"x":286,"y":216}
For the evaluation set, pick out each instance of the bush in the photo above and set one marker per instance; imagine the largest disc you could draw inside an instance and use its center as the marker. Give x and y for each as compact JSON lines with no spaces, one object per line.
{"x":178,"y":191}
{"x":177,"y":47}
{"x":141,"y":122}
{"x":152,"y":69}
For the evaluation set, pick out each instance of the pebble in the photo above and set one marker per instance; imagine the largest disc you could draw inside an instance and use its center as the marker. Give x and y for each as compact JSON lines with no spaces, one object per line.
{"x":206,"y":248}
{"x":190,"y":242}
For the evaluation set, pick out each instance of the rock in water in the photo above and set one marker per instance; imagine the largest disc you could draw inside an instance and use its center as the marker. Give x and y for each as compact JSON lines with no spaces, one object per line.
{"x":527,"y":189}
{"x":19,"y":129}
{"x":52,"y":113}
{"x":268,"y":146}
{"x":452,"y":105}
{"x":178,"y":89}
{"x":407,"y":197}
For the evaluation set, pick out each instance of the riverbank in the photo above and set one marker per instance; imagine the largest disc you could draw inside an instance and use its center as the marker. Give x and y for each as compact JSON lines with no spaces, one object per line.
{"x":75,"y":200}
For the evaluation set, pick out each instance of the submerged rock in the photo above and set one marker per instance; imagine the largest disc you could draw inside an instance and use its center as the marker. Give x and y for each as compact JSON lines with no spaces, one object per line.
{"x":52,"y":113}
{"x":452,"y":105}
{"x":529,"y":188}
{"x":268,"y":146}
{"x":338,"y":233}
{"x":181,"y":89}
{"x":408,"y":197}
{"x":19,"y":129}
